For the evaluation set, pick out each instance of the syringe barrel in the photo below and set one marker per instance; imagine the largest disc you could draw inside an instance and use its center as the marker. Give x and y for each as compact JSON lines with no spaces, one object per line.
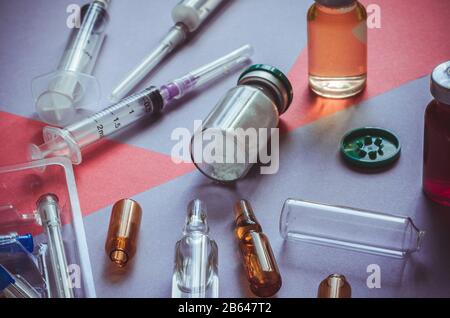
{"x":192,"y":13}
{"x":71,"y":140}
{"x":58,"y":94}
{"x":84,"y":43}
{"x":116,"y":117}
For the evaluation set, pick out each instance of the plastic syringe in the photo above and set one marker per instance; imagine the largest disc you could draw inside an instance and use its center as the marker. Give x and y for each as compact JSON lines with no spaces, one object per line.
{"x":60,"y":93}
{"x":69,"y":141}
{"x":188,"y":15}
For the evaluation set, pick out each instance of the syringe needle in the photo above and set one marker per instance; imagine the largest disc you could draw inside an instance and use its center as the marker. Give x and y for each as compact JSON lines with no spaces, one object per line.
{"x":188,"y":16}
{"x":174,"y":38}
{"x":206,"y":74}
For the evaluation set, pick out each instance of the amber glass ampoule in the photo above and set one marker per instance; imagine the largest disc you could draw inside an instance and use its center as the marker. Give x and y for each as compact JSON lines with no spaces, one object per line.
{"x":259,"y":262}
{"x":337,"y":48}
{"x":123,"y":231}
{"x":334,"y":286}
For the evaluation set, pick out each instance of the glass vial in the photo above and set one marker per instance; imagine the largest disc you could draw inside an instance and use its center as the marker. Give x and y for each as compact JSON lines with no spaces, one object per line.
{"x":436,"y":167}
{"x":337,"y":48}
{"x":334,"y":286}
{"x":260,"y":264}
{"x":196,"y":258}
{"x":254,"y":106}
{"x":348,"y":228}
{"x":123,"y":231}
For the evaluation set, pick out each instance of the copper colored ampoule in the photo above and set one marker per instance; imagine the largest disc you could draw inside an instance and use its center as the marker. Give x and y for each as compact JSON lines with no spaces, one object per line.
{"x":259,"y":262}
{"x":334,"y":286}
{"x":123,"y":231}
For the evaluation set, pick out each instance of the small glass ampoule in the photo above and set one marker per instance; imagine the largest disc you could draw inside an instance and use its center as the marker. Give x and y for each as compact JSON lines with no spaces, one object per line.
{"x":260,"y":264}
{"x":196,"y":258}
{"x":337,"y":48}
{"x":334,"y":286}
{"x":121,"y":241}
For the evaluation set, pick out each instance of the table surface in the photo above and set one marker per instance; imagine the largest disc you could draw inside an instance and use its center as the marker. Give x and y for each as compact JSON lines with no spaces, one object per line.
{"x":137,"y":163}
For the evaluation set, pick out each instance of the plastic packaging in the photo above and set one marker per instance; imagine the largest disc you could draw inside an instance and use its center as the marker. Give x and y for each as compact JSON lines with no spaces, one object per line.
{"x":20,"y":275}
{"x":25,"y":240}
{"x":22,"y":186}
{"x":15,"y":286}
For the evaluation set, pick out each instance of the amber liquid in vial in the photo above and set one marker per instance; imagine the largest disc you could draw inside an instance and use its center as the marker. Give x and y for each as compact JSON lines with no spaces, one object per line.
{"x":337,"y":50}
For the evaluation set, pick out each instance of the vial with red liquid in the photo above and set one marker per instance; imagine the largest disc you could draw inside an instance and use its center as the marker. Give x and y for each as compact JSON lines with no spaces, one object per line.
{"x":436,"y":169}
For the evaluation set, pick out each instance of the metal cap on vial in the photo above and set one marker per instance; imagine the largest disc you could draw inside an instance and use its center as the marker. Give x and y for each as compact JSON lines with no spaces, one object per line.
{"x":440,"y":83}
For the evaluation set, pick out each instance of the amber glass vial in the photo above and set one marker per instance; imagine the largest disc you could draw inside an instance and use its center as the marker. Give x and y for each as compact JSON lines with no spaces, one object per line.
{"x":334,"y":286}
{"x":337,"y":48}
{"x":259,"y":262}
{"x":123,"y":231}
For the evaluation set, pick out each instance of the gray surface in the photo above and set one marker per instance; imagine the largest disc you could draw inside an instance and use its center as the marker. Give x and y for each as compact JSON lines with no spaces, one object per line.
{"x":310,"y":166}
{"x":135,"y":28}
{"x":310,"y":169}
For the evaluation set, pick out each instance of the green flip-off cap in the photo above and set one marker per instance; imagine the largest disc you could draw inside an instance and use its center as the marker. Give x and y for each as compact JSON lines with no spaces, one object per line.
{"x":370,"y":147}
{"x":275,"y":72}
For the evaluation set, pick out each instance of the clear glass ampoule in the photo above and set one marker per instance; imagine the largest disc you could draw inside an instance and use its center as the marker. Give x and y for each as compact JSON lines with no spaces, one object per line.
{"x":196,"y":258}
{"x":260,"y":264}
{"x":337,"y":48}
{"x":350,"y":229}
